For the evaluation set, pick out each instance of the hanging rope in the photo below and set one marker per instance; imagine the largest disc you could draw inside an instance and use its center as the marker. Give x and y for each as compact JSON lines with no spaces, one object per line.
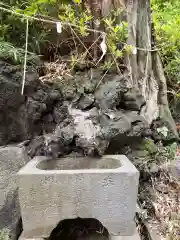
{"x":25,"y":56}
{"x":55,"y":21}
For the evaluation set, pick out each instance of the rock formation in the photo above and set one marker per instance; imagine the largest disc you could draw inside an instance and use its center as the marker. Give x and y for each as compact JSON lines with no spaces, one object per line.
{"x":80,"y":113}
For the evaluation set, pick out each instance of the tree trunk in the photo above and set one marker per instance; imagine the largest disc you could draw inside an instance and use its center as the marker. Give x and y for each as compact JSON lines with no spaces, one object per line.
{"x":144,"y":66}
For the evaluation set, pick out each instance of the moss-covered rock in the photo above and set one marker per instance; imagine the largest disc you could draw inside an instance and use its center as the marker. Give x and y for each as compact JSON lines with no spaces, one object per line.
{"x":149,"y":146}
{"x":5,"y":234}
{"x":140,"y":153}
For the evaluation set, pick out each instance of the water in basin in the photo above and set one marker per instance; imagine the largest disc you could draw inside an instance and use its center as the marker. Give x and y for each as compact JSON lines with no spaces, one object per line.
{"x":79,"y":163}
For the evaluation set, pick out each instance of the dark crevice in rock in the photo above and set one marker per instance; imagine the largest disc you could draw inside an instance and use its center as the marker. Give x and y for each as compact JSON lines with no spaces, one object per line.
{"x":19,"y":229}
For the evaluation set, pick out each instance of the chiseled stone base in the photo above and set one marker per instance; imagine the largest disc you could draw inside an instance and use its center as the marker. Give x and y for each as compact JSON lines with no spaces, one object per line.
{"x":135,"y":236}
{"x":24,"y":238}
{"x":104,"y":189}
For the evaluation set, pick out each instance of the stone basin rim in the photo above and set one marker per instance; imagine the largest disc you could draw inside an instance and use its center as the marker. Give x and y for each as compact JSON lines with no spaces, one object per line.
{"x":125,"y":166}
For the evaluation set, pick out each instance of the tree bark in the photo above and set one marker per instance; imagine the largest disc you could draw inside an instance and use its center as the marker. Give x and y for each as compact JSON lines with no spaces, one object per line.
{"x":144,"y":66}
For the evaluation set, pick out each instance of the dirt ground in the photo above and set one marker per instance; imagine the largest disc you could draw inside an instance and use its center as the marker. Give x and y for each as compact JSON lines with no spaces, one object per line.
{"x":159,"y":197}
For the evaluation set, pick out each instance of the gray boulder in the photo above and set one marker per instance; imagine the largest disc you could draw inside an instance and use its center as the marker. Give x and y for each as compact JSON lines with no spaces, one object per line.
{"x":12,"y":158}
{"x":25,"y":116}
{"x":133,"y":100}
{"x":86,"y":101}
{"x":109,"y":95}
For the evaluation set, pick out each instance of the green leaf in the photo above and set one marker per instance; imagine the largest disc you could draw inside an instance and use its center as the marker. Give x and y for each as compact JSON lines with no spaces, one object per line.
{"x":77,"y":1}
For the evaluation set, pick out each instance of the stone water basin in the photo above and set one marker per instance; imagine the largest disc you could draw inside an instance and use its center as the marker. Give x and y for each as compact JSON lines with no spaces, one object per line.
{"x":52,"y":190}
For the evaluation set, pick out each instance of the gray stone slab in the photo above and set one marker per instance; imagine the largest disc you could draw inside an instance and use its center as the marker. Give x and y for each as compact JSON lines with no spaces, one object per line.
{"x":12,"y":158}
{"x":54,"y":190}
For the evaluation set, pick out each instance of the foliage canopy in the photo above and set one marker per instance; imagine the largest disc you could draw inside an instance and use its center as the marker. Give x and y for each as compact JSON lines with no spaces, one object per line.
{"x":166,"y":17}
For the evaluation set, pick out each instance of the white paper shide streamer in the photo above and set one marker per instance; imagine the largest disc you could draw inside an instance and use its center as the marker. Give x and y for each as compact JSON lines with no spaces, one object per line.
{"x":25,"y":56}
{"x":103,"y":47}
{"x":134,"y":50}
{"x":59,"y":27}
